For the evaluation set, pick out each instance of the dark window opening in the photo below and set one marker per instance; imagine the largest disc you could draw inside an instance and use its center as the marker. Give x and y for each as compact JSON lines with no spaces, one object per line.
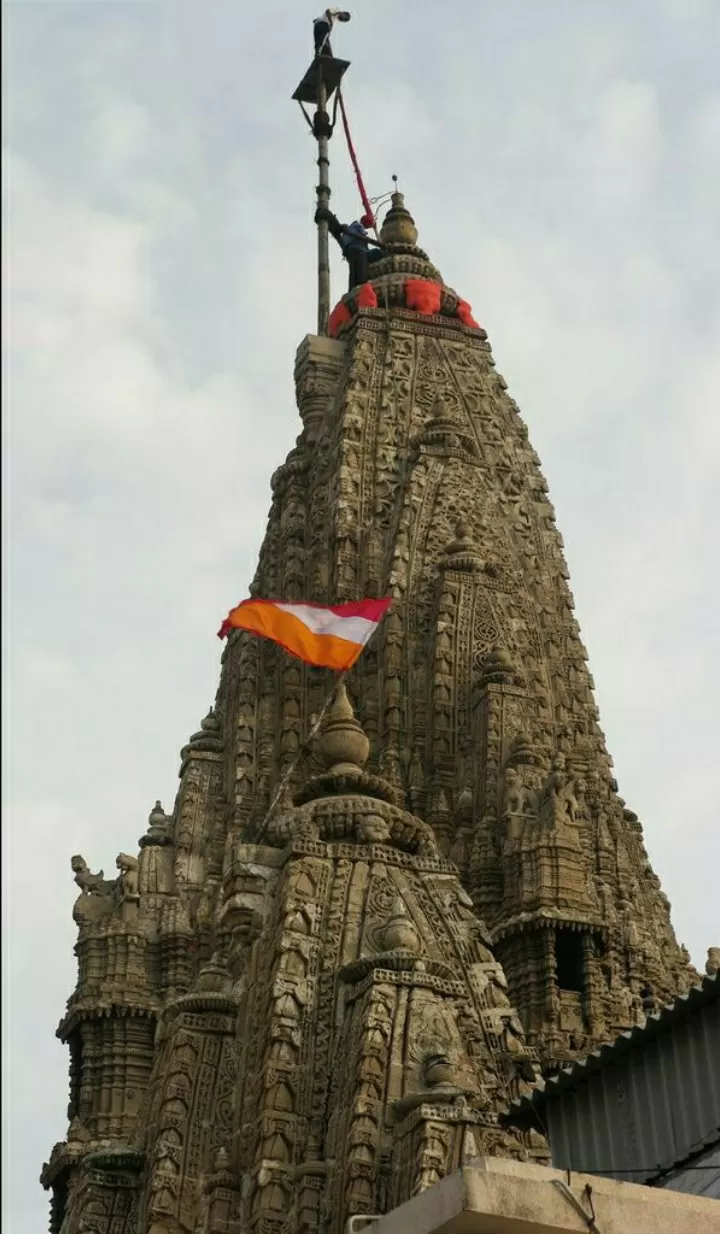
{"x":75,"y":1044}
{"x":569,"y":960}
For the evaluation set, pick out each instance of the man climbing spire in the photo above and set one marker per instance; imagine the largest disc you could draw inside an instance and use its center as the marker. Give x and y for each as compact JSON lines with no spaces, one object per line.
{"x":322,"y":27}
{"x":359,"y":249}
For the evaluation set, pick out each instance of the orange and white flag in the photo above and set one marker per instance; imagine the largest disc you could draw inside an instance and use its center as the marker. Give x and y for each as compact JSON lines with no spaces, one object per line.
{"x":331,"y":636}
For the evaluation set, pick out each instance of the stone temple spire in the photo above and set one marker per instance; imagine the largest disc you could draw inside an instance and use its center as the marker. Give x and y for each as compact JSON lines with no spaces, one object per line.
{"x":280,"y":1024}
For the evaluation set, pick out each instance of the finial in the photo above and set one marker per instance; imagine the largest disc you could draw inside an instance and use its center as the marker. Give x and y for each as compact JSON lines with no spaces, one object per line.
{"x":341,"y":708}
{"x":158,"y":831}
{"x":399,"y":225}
{"x":498,"y":667}
{"x":208,"y":736}
{"x":214,"y":976}
{"x":463,"y":554}
{"x":343,"y":744}
{"x":400,"y":933}
{"x":521,"y":751}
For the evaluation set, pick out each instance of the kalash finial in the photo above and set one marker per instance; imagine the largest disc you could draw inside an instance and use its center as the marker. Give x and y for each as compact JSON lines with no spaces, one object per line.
{"x":343,"y":745}
{"x":399,"y":225}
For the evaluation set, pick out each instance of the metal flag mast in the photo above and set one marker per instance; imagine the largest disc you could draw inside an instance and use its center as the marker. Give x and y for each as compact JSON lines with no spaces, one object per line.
{"x":316,"y":723}
{"x":318,"y":85}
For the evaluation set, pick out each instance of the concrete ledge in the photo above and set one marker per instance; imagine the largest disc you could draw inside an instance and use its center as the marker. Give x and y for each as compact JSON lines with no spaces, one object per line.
{"x":497,"y":1196}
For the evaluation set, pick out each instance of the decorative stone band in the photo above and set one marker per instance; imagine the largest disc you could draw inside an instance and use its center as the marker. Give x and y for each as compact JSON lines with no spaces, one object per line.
{"x":116,"y":1158}
{"x":63,"y":1158}
{"x":550,"y":919}
{"x":94,"y":1009}
{"x":416,"y":979}
{"x":222,"y":1006}
{"x":400,"y":961}
{"x":354,"y":817}
{"x":423,"y":296}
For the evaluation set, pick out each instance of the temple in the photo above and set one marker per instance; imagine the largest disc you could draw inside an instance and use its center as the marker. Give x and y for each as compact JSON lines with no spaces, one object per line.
{"x":287,"y":1017}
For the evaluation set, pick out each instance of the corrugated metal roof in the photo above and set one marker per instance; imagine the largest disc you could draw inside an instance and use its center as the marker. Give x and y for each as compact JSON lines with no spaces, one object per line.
{"x":698,"y":1176}
{"x":662,"y":1021}
{"x":640,"y":1106}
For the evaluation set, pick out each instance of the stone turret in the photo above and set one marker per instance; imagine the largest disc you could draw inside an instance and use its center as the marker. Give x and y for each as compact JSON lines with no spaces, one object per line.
{"x":370,"y":961}
{"x":140,"y":937}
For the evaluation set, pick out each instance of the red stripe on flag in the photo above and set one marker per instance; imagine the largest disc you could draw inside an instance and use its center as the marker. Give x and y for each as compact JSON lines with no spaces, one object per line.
{"x":372,"y":610}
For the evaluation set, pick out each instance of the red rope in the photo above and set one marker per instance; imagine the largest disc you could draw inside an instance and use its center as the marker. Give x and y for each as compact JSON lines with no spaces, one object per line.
{"x":353,"y":158}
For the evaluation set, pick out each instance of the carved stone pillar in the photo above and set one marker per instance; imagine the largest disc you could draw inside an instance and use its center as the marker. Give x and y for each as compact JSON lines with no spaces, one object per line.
{"x":189,"y":1099}
{"x":104,"y":1195}
{"x":318,"y":366}
{"x":199,"y":801}
{"x":593,"y":993}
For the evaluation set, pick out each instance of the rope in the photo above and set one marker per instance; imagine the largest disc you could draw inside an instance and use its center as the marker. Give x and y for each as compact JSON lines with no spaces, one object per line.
{"x":371,"y":214}
{"x":354,"y":160}
{"x":588,"y":1218}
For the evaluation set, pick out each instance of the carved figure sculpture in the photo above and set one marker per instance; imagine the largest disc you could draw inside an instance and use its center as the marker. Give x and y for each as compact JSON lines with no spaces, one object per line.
{"x":373,"y":829}
{"x":89,"y":883}
{"x":128,"y":881}
{"x":514,"y":795}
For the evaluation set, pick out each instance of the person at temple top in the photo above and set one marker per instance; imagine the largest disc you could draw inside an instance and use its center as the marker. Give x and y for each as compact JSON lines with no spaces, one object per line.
{"x":358,"y":248}
{"x":322,"y":26}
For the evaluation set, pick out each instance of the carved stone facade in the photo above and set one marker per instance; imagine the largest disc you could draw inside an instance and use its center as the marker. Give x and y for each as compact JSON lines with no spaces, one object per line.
{"x":270,"y":1011}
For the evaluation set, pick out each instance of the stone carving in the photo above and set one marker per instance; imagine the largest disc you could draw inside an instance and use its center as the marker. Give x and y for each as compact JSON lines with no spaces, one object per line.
{"x":373,"y":829}
{"x":282,"y":1021}
{"x":128,"y":880}
{"x":400,"y":931}
{"x":89,"y":883}
{"x":516,"y":798}
{"x":159,"y":827}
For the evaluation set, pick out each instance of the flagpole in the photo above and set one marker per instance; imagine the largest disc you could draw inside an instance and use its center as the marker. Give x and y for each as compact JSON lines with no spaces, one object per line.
{"x":302,"y":750}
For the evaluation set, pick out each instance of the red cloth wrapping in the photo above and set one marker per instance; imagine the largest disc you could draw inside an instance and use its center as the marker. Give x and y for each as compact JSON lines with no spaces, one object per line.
{"x":423,"y":296}
{"x":464,"y":312}
{"x":366,"y":296}
{"x":339,"y":317}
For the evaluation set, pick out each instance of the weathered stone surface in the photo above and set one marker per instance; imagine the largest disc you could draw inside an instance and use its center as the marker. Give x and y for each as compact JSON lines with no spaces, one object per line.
{"x":449,"y":891}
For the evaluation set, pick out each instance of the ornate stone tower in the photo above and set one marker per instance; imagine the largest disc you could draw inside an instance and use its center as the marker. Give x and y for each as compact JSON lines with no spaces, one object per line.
{"x":270,"y":1011}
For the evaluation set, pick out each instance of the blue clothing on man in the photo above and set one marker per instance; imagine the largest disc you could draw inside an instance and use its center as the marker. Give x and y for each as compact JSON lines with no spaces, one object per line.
{"x":354,"y":237}
{"x":358,"y":249}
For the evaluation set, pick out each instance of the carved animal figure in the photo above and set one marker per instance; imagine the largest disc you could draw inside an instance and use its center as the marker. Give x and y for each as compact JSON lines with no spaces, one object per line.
{"x":89,"y":883}
{"x":128,"y":880}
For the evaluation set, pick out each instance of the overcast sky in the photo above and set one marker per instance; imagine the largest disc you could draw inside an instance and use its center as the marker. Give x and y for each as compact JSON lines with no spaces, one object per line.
{"x":562,"y":161}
